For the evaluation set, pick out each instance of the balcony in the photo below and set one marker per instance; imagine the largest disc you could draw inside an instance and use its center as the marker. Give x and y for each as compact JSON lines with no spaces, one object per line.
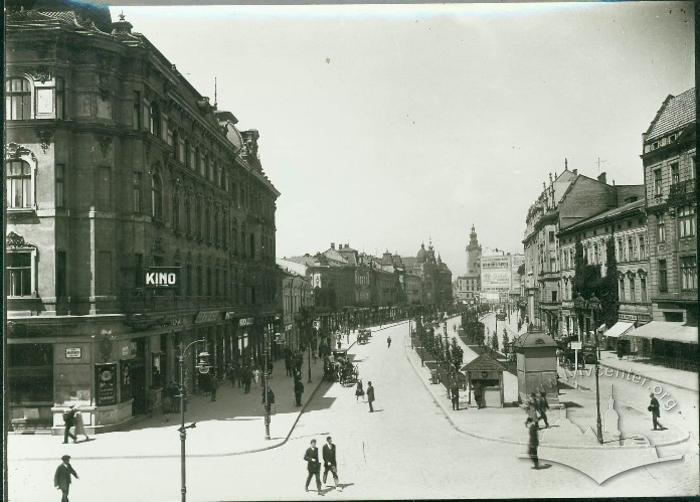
{"x":682,"y":193}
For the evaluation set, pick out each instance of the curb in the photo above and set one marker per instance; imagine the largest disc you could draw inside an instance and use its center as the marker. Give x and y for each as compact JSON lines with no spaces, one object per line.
{"x":227,"y":454}
{"x":648,"y":377}
{"x":524,"y":443}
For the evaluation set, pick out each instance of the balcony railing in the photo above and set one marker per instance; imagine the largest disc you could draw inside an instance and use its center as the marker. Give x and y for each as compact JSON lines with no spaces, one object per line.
{"x":682,"y":193}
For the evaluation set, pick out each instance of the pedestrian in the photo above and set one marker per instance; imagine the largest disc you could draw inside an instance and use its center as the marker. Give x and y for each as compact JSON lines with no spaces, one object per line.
{"x":270,"y":399}
{"x":339,"y":344}
{"x":238,"y":374}
{"x":214,"y":385}
{"x":62,"y":477}
{"x":256,"y":375}
{"x":388,"y":342}
{"x":541,"y":405}
{"x":298,"y":391}
{"x":455,"y":396}
{"x":80,"y":425}
{"x":313,"y":466}
{"x":533,"y":441}
{"x":329,"y":462}
{"x":370,"y":396}
{"x":247,"y":377}
{"x":359,"y":391}
{"x":68,"y":422}
{"x":287,"y":362}
{"x":532,"y":408}
{"x":477,"y":396}
{"x":655,"y":410}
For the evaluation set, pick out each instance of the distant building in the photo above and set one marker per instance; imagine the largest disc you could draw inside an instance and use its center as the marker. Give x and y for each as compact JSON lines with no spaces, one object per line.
{"x":499,"y":276}
{"x":468,"y":286}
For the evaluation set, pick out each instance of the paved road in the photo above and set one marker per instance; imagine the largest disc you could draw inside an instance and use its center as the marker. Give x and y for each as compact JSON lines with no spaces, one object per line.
{"x":407,"y":449}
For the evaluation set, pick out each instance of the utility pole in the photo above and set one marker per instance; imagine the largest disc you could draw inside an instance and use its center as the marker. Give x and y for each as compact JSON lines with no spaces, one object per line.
{"x":267,"y":349}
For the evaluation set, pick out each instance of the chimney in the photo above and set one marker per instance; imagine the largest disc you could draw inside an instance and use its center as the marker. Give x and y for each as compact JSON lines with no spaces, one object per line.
{"x":332,"y":245}
{"x":602,"y":178}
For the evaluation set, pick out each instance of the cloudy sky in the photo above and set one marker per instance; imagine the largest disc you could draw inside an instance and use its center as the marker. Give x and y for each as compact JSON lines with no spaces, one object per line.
{"x":384,"y":126}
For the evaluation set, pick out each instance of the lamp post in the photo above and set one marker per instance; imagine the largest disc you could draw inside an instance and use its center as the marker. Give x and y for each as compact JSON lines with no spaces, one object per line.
{"x":267,"y":345}
{"x":594,"y":304}
{"x":203,"y":367}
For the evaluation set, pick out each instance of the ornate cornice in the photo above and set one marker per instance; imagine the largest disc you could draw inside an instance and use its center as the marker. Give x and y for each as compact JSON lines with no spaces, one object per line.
{"x":14,"y":241}
{"x":17,"y":151}
{"x":44,"y":136}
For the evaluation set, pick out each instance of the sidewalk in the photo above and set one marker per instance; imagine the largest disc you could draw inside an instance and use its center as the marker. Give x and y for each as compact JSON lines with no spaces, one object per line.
{"x":687,"y":380}
{"x":571,"y":427}
{"x":232,"y":425}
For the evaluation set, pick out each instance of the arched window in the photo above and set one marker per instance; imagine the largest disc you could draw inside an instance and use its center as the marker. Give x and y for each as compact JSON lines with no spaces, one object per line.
{"x":156,"y":197}
{"x":19,"y":184}
{"x":18,"y":99}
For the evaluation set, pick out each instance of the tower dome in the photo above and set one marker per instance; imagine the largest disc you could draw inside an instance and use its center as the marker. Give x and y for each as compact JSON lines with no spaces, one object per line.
{"x":422,"y":254}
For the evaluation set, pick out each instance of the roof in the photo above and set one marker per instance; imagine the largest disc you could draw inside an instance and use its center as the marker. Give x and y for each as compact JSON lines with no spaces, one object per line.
{"x":483,"y":363}
{"x":618,"y":329}
{"x":614,"y":213}
{"x":675,"y":112}
{"x":534,"y":339}
{"x":669,"y":331}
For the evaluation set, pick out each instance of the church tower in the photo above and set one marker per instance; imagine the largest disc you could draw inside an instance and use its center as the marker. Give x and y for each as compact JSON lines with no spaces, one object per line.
{"x":473,"y":254}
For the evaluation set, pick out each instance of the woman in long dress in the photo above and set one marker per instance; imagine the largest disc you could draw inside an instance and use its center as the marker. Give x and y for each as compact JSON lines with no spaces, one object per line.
{"x":80,"y":426}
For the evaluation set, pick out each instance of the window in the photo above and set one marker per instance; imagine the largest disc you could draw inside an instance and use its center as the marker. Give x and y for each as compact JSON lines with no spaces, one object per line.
{"x":188,"y":275}
{"x":60,"y":185}
{"x":661,"y":232}
{"x":19,"y":184}
{"x":180,"y":155}
{"x":136,"y":112}
{"x":197,"y":218}
{"x":552,"y":265}
{"x":188,"y":216}
{"x":207,"y":223}
{"x":18,"y":275}
{"x":686,"y":221}
{"x":663,"y":277}
{"x":632,"y":291}
{"x":138,"y":270}
{"x":596,"y":253}
{"x":554,"y":296}
{"x":170,"y":137}
{"x":60,"y":98}
{"x":61,"y":289}
{"x":155,"y":120}
{"x":209,"y":282}
{"x":643,"y":289}
{"x":693,"y":170}
{"x":104,"y":188}
{"x":200,"y":289}
{"x":252,"y":246}
{"x":675,"y":178}
{"x":657,"y":182}
{"x":673,"y":316}
{"x":175,"y":214}
{"x":642,"y":249}
{"x":618,"y":250}
{"x":136,"y":192}
{"x":689,"y":273}
{"x":17,"y":99}
{"x":103,"y":284}
{"x":622,"y":290}
{"x":630,"y":248}
{"x":156,"y":198}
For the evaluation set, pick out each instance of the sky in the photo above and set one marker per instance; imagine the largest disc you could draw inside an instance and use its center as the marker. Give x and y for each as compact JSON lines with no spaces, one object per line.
{"x":384,"y":126}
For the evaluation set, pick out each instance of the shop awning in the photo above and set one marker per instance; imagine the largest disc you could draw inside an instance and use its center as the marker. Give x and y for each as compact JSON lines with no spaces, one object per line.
{"x":669,"y":331}
{"x":618,"y":329}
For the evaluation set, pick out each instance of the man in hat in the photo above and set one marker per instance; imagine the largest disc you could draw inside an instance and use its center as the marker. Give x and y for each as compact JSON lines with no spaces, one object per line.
{"x":68,"y":422}
{"x":62,"y":480}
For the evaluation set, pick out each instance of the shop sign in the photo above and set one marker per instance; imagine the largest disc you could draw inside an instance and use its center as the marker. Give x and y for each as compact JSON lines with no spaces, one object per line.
{"x":74,"y":353}
{"x":576,"y":345}
{"x":106,"y":384}
{"x":249,"y":321}
{"x":203,"y":317}
{"x":162,"y":277}
{"x":627,"y":317}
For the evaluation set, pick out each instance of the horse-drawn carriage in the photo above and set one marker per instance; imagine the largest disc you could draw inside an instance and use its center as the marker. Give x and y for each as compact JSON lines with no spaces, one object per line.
{"x":363,"y":336}
{"x":338,"y":368}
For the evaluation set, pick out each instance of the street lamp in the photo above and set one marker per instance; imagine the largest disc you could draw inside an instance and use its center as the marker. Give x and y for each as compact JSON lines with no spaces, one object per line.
{"x":594,"y":304}
{"x":203,"y":367}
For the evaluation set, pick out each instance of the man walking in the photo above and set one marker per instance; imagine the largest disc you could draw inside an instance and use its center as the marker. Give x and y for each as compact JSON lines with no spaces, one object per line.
{"x":455,"y":396}
{"x":388,"y":342}
{"x":68,"y":422}
{"x":313,"y":466}
{"x":298,"y":391}
{"x":61,"y":479}
{"x":541,"y":405}
{"x":655,"y":410}
{"x":533,"y":441}
{"x":370,"y":396}
{"x":214,"y":386}
{"x":329,"y":462}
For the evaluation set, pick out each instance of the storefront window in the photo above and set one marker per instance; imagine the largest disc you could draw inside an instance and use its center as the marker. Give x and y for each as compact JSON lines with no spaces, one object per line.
{"x":30,"y":373}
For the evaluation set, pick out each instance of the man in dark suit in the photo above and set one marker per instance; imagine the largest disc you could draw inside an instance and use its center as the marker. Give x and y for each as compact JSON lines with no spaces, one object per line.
{"x":313,"y":466}
{"x":61,"y":480}
{"x":533,"y":441}
{"x":655,"y":412}
{"x":329,"y":461}
{"x":68,"y":422}
{"x":370,"y":396}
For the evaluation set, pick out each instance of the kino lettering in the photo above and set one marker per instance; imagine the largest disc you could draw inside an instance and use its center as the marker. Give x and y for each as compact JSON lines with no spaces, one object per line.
{"x":160,"y":279}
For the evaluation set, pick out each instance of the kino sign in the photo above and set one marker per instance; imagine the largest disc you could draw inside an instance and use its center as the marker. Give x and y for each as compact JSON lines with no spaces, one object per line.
{"x":162,"y":277}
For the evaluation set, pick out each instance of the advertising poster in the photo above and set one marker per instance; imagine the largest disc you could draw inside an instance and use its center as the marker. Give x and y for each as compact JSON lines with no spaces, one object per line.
{"x":106,"y":384}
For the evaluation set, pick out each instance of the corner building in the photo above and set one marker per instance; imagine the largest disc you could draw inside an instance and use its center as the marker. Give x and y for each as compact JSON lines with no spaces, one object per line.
{"x":115,"y":163}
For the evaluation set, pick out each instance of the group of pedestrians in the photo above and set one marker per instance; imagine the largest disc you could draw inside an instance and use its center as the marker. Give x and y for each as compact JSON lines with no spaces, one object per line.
{"x":537,"y":407}
{"x":72,"y":418}
{"x":313,"y":464}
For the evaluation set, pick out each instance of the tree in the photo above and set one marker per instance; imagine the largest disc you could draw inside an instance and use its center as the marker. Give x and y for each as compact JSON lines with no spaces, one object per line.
{"x":607,"y":291}
{"x":505,"y":340}
{"x":494,"y":341}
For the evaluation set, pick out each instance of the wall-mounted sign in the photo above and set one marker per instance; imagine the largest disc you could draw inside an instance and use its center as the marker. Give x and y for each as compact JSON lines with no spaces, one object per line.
{"x":74,"y":353}
{"x":576,"y":345}
{"x":125,"y":351}
{"x":246,"y":322}
{"x":106,"y":384}
{"x":211,"y":316}
{"x":162,"y":277}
